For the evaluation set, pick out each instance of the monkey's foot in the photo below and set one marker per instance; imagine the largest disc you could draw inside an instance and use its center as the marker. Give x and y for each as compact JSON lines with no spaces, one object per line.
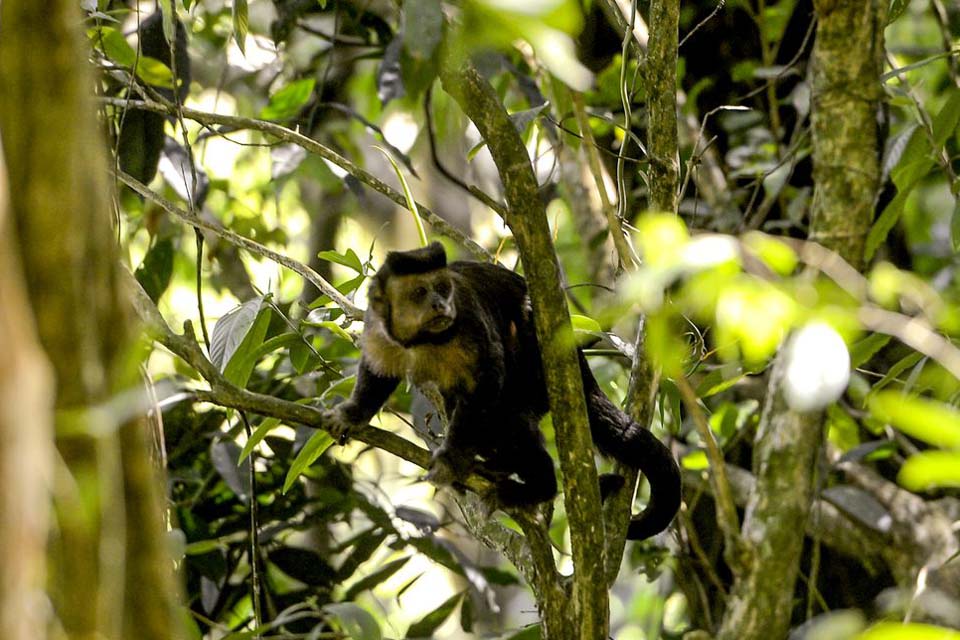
{"x":337,"y":425}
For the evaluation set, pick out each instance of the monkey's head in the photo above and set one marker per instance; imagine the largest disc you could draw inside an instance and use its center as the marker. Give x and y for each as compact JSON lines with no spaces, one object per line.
{"x":413,"y":294}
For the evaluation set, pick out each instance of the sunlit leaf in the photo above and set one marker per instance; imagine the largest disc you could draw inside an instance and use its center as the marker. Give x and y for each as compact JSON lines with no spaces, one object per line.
{"x":695,"y":461}
{"x":661,"y":237}
{"x":930,"y":470}
{"x":257,"y":437}
{"x":933,"y":422}
{"x":313,"y":449}
{"x":907,"y":631}
{"x":777,"y":255}
{"x":347,"y":259}
{"x":288,"y":101}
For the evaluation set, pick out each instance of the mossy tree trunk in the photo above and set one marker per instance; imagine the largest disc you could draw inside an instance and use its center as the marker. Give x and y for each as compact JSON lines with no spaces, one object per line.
{"x":846,"y":92}
{"x":110,"y":575}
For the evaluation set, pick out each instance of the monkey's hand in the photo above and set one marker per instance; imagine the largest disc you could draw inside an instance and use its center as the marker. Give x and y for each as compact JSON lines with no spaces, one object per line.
{"x":339,"y":424}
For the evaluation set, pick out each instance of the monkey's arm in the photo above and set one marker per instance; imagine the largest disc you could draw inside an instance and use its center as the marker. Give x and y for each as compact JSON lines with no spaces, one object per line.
{"x":368,"y":396}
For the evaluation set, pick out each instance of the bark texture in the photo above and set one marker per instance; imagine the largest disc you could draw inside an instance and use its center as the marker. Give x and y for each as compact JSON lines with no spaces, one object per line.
{"x":845,"y":97}
{"x":110,"y":573}
{"x":528,"y":223}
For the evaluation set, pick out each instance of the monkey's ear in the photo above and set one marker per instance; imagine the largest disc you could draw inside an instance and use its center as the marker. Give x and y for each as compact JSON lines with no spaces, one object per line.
{"x":423,"y":260}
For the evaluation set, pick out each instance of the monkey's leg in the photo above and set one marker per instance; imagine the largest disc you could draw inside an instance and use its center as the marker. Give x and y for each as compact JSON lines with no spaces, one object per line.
{"x":368,"y":396}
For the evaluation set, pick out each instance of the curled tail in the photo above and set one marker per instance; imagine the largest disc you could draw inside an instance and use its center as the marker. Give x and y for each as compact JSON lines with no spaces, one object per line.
{"x":619,"y":437}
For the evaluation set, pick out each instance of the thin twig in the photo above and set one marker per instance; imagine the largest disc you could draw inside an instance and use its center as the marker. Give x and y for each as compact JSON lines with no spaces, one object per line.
{"x":352,"y":311}
{"x":284,"y":134}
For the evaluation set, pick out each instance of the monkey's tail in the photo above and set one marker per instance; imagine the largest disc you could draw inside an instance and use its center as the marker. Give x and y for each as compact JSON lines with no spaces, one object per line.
{"x":619,"y":437}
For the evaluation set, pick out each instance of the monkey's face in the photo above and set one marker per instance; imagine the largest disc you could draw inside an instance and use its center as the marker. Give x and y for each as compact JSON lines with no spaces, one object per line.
{"x":421,"y":305}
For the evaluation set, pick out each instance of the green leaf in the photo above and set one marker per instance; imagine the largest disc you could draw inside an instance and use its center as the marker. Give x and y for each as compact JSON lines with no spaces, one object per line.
{"x":947,"y":119}
{"x":240,"y":24}
{"x":898,"y":367}
{"x":236,"y":338}
{"x":313,"y":449}
{"x":348,"y":259}
{"x":408,"y":196}
{"x":955,"y":225}
{"x":427,"y":625}
{"x":927,"y":420}
{"x":354,"y":620}
{"x":288,"y":101}
{"x":862,"y":350}
{"x":116,"y":48}
{"x":907,"y":631}
{"x":257,"y":437}
{"x":423,"y":25}
{"x":155,"y":271}
{"x":377,"y":577}
{"x":584,"y":323}
{"x":169,"y":16}
{"x":930,"y":470}
{"x":897,"y":7}
{"x":530,"y":633}
{"x":891,"y":214}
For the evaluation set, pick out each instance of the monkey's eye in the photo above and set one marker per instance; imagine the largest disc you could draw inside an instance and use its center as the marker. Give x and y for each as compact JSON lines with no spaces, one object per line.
{"x":443,"y":288}
{"x":419,"y":293}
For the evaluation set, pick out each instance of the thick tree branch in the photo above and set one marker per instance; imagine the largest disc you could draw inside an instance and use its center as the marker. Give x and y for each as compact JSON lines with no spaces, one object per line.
{"x":527,"y":220}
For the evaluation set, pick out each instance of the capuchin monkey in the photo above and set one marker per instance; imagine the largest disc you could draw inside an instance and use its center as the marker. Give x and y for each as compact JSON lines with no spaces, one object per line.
{"x":466,"y":330}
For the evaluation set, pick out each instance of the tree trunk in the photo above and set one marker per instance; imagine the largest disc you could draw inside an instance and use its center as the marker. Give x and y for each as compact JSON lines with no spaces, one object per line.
{"x":110,"y":573}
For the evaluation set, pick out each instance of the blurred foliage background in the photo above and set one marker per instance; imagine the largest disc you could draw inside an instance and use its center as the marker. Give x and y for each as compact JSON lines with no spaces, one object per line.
{"x":279,"y":534}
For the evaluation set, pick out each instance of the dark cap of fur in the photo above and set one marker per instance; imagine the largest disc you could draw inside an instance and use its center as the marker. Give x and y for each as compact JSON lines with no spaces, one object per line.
{"x":423,"y":260}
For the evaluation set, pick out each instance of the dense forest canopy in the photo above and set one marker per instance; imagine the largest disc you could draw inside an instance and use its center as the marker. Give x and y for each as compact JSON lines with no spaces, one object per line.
{"x":744,"y":213}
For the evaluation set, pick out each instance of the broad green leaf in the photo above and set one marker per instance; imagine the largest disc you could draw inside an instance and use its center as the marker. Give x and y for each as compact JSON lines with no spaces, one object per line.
{"x":930,"y":470}
{"x":584,"y":323}
{"x":155,"y":271}
{"x":842,"y":430}
{"x":427,"y":625}
{"x":907,"y":631}
{"x":116,"y":48}
{"x":348,"y":259}
{"x":241,"y":365}
{"x":237,"y":338}
{"x":933,"y":422}
{"x":257,"y":437}
{"x":230,"y":330}
{"x":313,"y":449}
{"x":288,"y":101}
{"x":354,"y":620}
{"x":423,"y":27}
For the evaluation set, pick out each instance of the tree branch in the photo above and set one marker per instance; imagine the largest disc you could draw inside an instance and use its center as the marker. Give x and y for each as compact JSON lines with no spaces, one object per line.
{"x":280,"y":132}
{"x":353,"y":312}
{"x":527,"y":220}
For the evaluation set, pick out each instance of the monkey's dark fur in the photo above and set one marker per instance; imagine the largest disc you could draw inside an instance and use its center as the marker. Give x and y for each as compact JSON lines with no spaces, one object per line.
{"x":467,"y":330}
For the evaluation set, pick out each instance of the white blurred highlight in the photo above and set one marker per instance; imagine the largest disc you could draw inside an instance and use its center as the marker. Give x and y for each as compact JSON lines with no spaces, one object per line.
{"x":817,"y":369}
